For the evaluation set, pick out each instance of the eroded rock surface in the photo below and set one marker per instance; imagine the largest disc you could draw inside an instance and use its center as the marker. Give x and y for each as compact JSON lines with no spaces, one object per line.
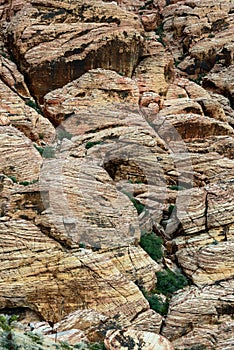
{"x":116,"y":119}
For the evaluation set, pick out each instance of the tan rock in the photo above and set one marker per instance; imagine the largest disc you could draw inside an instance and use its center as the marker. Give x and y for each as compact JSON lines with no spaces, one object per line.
{"x":97,"y":87}
{"x":221,"y":80}
{"x":198,"y":307}
{"x":154,"y":73}
{"x":19,"y":159}
{"x":208,"y":264}
{"x":71,"y":24}
{"x":205,"y":336}
{"x":19,"y":114}
{"x":132,"y":339}
{"x":189,"y":126}
{"x":13,"y":78}
{"x":50,"y":274}
{"x":150,"y":20}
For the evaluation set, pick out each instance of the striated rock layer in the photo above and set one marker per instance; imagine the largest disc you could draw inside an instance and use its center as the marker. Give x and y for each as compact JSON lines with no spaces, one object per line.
{"x":116,"y":120}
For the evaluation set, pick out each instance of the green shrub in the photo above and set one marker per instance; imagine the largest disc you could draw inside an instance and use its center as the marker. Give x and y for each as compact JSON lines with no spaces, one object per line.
{"x":27,"y":183}
{"x":90,"y":144}
{"x":33,"y":105}
{"x":13,"y":178}
{"x":36,"y":338}
{"x":97,"y":346}
{"x":197,"y":347}
{"x":170,"y":209}
{"x":169,"y":282}
{"x":46,"y":152}
{"x":7,"y":322}
{"x":176,"y":188}
{"x":152,"y":244}
{"x":159,"y":32}
{"x":63,"y":134}
{"x":49,"y":152}
{"x":137,"y":204}
{"x":156,"y":303}
{"x":7,"y":340}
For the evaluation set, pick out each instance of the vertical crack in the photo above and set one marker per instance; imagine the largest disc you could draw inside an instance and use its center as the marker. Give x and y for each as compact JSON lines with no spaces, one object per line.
{"x":206,"y":213}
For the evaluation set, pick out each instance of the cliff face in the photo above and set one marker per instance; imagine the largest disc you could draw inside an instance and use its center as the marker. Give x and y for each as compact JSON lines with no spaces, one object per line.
{"x":117,"y":120}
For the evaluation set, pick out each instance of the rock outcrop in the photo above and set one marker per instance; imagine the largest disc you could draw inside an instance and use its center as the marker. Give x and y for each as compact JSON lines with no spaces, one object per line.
{"x":116,"y":120}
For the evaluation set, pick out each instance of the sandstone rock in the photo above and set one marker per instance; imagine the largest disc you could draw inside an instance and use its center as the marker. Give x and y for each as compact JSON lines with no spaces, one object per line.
{"x":19,"y":114}
{"x":97,"y":87}
{"x":199,"y":33}
{"x":150,"y":20}
{"x":111,"y":32}
{"x":13,"y":78}
{"x":49,"y":274}
{"x":221,"y":80}
{"x":188,"y":126}
{"x":132,"y":339}
{"x":199,"y":308}
{"x":218,"y":336}
{"x":180,"y":106}
{"x":19,"y":159}
{"x":209,"y":264}
{"x":154,"y":73}
{"x":85,"y":206}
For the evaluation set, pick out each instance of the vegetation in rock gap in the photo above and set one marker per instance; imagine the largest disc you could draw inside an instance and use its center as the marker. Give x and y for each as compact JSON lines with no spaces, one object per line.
{"x":156,"y":302}
{"x":33,"y":105}
{"x":90,"y":144}
{"x":169,"y":282}
{"x":159,"y":32}
{"x":197,"y":347}
{"x":46,"y":152}
{"x":24,"y":183}
{"x":152,"y":244}
{"x":13,"y":178}
{"x":63,"y":134}
{"x":137,"y":204}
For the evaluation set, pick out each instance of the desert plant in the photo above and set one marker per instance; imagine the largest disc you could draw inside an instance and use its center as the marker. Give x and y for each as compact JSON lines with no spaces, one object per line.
{"x":7,"y":340}
{"x":176,"y":188}
{"x":90,"y":144}
{"x":156,"y":303}
{"x":27,"y":183}
{"x":33,"y":105}
{"x":152,"y":244}
{"x":137,"y":204}
{"x":46,"y":152}
{"x":13,"y":178}
{"x":63,"y":134}
{"x":36,"y":337}
{"x":169,"y":282}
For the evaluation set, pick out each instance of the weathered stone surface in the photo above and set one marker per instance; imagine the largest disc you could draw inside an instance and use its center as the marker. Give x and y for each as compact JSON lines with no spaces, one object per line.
{"x":199,"y":33}
{"x":84,"y":36}
{"x":13,"y":78}
{"x":212,"y":336}
{"x":16,"y":112}
{"x":132,"y":339}
{"x":209,"y":263}
{"x":221,"y":80}
{"x":144,"y":142}
{"x":18,"y":156}
{"x":155,"y":72}
{"x":85,"y":206}
{"x":50,"y":274}
{"x":198,"y":308}
{"x":97,"y":87}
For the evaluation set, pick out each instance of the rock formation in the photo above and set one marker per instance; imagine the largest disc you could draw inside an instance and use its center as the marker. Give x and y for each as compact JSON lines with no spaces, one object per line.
{"x":116,"y":124}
